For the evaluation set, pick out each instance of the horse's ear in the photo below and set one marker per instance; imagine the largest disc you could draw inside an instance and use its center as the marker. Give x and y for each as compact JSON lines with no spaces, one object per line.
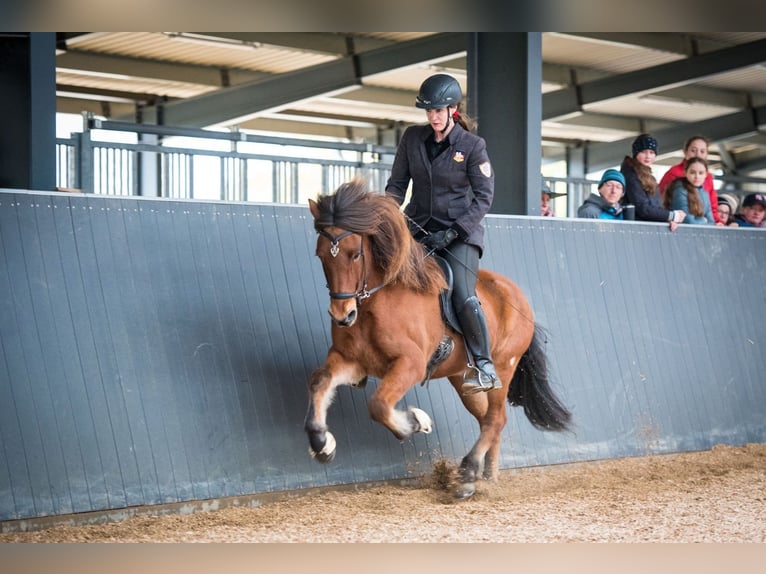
{"x":314,"y":208}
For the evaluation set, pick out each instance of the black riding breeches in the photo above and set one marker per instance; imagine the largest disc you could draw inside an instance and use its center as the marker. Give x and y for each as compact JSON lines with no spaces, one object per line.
{"x":464,"y":260}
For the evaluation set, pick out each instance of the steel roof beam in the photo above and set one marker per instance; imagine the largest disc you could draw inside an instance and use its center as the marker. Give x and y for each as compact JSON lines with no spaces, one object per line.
{"x":603,"y":155}
{"x":238,"y":102}
{"x":572,"y":99}
{"x":101,"y":64}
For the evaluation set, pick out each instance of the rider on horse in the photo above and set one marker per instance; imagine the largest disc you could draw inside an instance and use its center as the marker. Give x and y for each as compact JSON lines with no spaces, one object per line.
{"x":452,"y":190}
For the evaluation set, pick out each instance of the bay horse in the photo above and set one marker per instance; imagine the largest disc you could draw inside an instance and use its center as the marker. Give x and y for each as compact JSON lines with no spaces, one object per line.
{"x":387,"y":323}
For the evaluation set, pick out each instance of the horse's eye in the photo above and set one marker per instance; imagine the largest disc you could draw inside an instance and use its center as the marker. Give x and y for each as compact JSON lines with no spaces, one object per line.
{"x":357,"y":255}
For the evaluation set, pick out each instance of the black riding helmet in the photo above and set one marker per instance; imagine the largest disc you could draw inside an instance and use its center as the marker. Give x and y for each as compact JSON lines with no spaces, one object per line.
{"x":439,"y":91}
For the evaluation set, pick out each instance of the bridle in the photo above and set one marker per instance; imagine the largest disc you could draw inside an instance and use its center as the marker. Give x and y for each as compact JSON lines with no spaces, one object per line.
{"x":359,"y":294}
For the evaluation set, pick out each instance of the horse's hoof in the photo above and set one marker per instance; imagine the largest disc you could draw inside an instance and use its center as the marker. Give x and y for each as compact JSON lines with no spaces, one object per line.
{"x":327,"y":454}
{"x":464,"y":490}
{"x":422,"y":421}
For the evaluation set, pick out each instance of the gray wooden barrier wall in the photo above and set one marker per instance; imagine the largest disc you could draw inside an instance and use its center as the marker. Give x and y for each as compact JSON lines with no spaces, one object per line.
{"x":157,"y":351}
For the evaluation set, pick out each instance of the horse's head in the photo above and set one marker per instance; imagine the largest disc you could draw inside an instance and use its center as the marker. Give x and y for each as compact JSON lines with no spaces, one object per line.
{"x":342,"y":254}
{"x":364,"y":244}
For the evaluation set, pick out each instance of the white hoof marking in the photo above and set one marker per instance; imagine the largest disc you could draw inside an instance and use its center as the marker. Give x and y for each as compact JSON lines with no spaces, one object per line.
{"x":423,"y":420}
{"x":329,"y":446}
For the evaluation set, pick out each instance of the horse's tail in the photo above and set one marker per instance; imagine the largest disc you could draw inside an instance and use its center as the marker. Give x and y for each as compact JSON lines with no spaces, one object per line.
{"x":531,"y":389}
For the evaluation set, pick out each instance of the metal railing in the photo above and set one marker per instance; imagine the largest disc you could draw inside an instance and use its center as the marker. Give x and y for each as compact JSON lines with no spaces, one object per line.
{"x":122,"y":158}
{"x":188,"y":163}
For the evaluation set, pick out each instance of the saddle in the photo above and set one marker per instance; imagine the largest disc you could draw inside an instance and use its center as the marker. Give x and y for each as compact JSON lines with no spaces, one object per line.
{"x":449,"y":316}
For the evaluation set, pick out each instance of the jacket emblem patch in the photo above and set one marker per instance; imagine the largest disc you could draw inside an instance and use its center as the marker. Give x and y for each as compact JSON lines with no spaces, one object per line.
{"x":459,"y":156}
{"x":486,"y":169}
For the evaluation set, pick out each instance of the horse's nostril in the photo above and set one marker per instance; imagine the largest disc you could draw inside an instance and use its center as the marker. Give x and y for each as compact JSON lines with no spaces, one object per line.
{"x":351,"y":317}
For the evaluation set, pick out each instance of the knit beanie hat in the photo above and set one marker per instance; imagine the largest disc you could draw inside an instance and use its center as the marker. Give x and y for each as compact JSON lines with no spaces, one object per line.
{"x":642,"y":142}
{"x":729,"y":200}
{"x":612,"y":175}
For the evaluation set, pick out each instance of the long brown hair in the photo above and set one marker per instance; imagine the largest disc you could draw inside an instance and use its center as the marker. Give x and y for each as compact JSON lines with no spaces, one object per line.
{"x":465,"y":121}
{"x":645,"y":176}
{"x":695,"y":201}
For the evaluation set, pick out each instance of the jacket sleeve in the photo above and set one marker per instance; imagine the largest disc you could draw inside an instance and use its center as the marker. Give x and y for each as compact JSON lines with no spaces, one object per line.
{"x":713,"y":194}
{"x":399,"y":181}
{"x":646,"y":209}
{"x":481,"y":176}
{"x":709,"y":217}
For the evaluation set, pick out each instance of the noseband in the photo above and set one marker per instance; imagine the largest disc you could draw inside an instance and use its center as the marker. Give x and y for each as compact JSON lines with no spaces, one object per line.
{"x":362,"y":293}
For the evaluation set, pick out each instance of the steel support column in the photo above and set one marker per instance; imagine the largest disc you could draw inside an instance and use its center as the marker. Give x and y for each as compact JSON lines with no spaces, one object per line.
{"x":504,"y":75}
{"x":28,"y":137}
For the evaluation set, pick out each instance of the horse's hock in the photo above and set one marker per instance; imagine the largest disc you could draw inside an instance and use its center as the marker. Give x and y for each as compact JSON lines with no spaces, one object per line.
{"x":157,"y":352}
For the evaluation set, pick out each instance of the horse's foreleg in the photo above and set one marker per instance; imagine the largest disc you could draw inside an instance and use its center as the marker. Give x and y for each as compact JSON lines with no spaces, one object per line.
{"x":391,"y":389}
{"x":322,"y":387}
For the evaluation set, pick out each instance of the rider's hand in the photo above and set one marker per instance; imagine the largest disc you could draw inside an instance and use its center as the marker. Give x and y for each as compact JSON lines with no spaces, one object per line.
{"x":439,"y":239}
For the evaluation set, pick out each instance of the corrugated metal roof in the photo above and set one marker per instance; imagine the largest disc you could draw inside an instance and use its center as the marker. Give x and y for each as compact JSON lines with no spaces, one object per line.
{"x":577,"y":57}
{"x":173,"y":47}
{"x":597,"y":54}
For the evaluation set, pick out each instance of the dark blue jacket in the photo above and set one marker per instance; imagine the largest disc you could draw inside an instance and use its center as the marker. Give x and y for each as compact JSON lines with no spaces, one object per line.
{"x":455,"y":191}
{"x":648,"y":207}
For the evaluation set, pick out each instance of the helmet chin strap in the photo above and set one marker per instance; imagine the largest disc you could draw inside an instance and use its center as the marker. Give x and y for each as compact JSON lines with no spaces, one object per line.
{"x":446,"y":126}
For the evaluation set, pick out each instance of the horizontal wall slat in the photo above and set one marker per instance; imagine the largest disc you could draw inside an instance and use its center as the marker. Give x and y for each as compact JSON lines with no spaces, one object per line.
{"x":156,"y":351}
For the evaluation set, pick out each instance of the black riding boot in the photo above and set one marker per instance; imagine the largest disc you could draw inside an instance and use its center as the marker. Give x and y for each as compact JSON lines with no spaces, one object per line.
{"x":476,"y":335}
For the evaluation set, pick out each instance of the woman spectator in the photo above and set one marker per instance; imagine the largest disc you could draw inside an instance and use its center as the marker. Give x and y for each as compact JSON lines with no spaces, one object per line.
{"x":695,"y":146}
{"x":687,"y":194}
{"x":727,"y":207}
{"x":641,"y":187}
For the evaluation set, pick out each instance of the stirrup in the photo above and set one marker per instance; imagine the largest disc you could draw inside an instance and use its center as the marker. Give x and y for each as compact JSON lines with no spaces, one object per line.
{"x":477,"y":381}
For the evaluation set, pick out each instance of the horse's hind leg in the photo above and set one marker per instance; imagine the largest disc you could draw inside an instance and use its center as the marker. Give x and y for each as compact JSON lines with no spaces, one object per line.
{"x":489,"y":410}
{"x":492,"y":460}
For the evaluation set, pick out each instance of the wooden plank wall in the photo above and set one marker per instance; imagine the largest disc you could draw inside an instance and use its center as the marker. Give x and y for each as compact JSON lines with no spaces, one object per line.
{"x":156,"y":351}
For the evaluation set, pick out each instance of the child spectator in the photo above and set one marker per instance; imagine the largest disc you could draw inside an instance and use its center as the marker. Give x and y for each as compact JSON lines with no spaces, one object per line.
{"x":641,"y":187}
{"x":695,"y":146}
{"x":753,"y":211}
{"x":605,"y":204}
{"x":545,"y":202}
{"x":727,"y":207}
{"x":687,"y":194}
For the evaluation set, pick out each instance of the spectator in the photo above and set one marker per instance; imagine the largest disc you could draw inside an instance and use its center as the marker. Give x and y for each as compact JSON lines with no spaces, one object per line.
{"x":753,"y":211}
{"x":545,"y":202}
{"x":687,"y":194}
{"x":695,"y":146}
{"x":641,"y":187}
{"x":727,"y":207}
{"x":606,"y":203}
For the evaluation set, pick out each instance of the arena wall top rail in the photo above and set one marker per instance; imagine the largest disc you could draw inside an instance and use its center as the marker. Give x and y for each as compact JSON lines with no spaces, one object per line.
{"x":157,"y":351}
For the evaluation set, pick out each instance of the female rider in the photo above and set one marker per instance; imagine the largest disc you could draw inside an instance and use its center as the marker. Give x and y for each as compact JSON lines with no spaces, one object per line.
{"x":452,"y":190}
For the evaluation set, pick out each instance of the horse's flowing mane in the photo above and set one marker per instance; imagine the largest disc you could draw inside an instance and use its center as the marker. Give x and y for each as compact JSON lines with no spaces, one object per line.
{"x":397,"y":255}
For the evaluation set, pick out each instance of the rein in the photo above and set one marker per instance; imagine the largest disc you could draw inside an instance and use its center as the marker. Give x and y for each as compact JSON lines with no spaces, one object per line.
{"x":359,"y":294}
